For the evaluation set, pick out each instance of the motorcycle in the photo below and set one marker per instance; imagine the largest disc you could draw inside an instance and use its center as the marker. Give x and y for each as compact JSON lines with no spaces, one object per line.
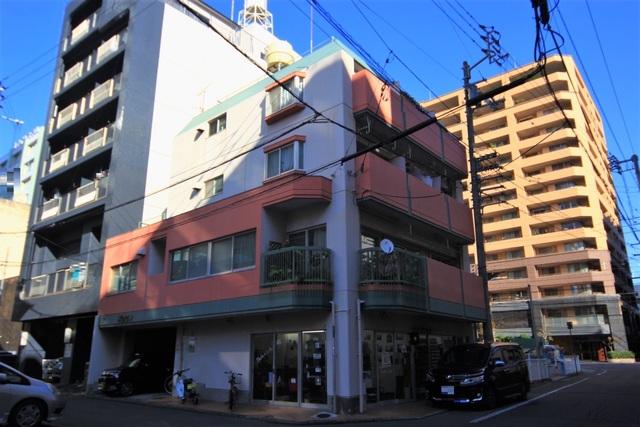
{"x":186,"y":388}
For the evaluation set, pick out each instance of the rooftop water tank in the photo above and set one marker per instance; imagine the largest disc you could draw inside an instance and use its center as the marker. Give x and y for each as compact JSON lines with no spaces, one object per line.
{"x":279,"y":55}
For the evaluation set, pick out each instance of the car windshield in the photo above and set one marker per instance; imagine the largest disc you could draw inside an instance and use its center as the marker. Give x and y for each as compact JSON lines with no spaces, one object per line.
{"x":133,"y":361}
{"x":466,"y":356}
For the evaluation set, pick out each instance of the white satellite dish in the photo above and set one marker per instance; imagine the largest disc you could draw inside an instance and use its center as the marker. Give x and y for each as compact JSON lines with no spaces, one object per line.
{"x":387,"y":246}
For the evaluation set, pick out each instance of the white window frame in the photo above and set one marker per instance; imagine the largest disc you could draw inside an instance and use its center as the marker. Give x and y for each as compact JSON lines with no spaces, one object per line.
{"x":278,"y":98}
{"x":213,"y":186}
{"x":218,"y":124}
{"x":297,"y":160}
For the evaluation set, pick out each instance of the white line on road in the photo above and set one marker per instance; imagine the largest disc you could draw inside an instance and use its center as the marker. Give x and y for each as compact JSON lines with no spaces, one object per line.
{"x":510,"y":408}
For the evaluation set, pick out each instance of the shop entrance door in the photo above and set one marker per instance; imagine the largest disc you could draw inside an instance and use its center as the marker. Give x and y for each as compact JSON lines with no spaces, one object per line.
{"x":290,"y":367}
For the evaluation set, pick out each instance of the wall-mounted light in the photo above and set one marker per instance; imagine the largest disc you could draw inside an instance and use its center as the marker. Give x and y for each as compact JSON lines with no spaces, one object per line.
{"x":197,"y":186}
{"x":141,"y":252}
{"x":199,"y":132}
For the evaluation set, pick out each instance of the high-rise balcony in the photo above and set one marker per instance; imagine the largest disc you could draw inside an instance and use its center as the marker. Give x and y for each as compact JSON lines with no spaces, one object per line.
{"x":67,"y":202}
{"x":99,"y":56}
{"x":76,"y":277}
{"x":77,"y":151}
{"x":80,"y":31}
{"x":86,"y":104}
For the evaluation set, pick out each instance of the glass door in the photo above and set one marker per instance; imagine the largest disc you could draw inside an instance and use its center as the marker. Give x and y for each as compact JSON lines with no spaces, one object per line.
{"x":314,"y":368}
{"x":286,"y":367}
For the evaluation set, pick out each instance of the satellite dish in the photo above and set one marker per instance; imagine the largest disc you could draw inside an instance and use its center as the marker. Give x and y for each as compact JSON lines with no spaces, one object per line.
{"x":386,"y":245}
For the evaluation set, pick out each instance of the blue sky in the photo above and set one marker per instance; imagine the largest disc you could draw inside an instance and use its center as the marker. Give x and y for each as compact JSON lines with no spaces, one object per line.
{"x":420,"y":43}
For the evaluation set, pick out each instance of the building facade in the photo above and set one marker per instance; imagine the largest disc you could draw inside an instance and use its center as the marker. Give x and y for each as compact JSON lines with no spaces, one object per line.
{"x":17,"y":168}
{"x":554,"y":245}
{"x":299,"y":249}
{"x":129,"y":74}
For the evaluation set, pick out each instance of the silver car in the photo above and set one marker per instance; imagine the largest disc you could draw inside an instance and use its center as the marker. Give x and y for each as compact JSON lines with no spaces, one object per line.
{"x":26,"y":401}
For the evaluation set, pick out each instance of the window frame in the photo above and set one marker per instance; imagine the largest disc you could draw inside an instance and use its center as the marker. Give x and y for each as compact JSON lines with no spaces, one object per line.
{"x":131,"y":282}
{"x":211,"y":186}
{"x":210,"y":244}
{"x":297,"y":157}
{"x":217,"y":124}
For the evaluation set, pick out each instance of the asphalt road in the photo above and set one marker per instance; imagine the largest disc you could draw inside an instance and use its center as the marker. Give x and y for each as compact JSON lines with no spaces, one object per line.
{"x":603,"y":395}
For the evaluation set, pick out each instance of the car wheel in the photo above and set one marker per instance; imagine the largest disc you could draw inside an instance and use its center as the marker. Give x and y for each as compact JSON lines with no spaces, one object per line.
{"x":126,"y":389}
{"x":523,"y":391}
{"x":490,"y":398}
{"x":29,"y":413}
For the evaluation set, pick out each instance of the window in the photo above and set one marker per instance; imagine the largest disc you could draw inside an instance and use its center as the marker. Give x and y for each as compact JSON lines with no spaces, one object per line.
{"x":546,"y":250}
{"x":213,"y":187}
{"x":282,"y":95}
{"x":124,"y":277}
{"x":515,"y":254}
{"x":560,"y":166}
{"x":571,"y":225}
{"x":218,"y":124}
{"x":551,"y":292}
{"x":511,"y":235}
{"x":214,"y":257}
{"x":580,"y":267}
{"x":568,"y":205}
{"x":312,"y":237}
{"x":557,"y":147}
{"x":563,"y":185}
{"x":285,"y":158}
{"x":548,"y":271}
{"x":575,"y":246}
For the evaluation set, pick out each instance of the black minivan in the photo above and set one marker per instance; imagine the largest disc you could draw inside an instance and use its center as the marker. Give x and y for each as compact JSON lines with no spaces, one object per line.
{"x":479,"y":374}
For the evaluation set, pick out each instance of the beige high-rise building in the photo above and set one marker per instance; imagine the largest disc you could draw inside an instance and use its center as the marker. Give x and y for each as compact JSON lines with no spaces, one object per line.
{"x":552,"y":233}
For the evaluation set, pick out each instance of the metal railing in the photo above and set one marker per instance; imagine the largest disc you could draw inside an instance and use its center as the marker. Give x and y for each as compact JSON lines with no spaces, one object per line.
{"x":297,"y":265}
{"x":398,"y":267}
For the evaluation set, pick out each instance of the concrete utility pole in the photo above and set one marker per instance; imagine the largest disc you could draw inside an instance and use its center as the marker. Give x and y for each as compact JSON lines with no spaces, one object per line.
{"x":470,"y":94}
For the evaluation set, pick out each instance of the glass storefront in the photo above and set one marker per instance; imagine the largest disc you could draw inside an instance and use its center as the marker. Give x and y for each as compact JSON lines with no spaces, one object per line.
{"x":290,"y":367}
{"x":388,"y":365}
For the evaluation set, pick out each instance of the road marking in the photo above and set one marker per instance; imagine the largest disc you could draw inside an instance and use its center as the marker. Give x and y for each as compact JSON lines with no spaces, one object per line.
{"x":510,"y":408}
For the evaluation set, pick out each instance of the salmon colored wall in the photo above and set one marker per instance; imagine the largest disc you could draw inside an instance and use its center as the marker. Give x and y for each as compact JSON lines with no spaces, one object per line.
{"x":221,"y":219}
{"x":426,"y":202}
{"x":473,"y":290}
{"x":444,"y":281}
{"x":367,"y":96}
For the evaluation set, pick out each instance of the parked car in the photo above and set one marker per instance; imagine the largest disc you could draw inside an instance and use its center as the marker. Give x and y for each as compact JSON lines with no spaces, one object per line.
{"x":479,"y":374}
{"x":26,"y":401}
{"x":139,"y":373}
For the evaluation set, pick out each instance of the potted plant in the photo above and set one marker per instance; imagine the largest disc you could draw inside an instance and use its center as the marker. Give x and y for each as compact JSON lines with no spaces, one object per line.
{"x":621,"y":356}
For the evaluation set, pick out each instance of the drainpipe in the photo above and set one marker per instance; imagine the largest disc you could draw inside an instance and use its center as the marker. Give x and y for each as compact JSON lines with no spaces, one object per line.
{"x":360,"y":373}
{"x":334,"y":357}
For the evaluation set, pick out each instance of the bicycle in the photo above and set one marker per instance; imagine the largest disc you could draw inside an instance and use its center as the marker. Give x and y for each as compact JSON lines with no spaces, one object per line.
{"x":171,"y":381}
{"x":234,"y":379}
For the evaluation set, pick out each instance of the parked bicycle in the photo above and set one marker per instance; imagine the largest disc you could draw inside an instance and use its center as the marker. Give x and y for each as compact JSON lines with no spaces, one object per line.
{"x":186,"y":388}
{"x":234,"y":378}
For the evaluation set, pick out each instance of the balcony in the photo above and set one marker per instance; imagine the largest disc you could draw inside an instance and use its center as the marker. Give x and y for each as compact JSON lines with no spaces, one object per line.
{"x":99,"y":56}
{"x":84,"y":195}
{"x":393,"y":279}
{"x":77,"y":151}
{"x":297,"y":265}
{"x":80,"y":31}
{"x":86,"y":104}
{"x":69,"y":279}
{"x":379,"y":188}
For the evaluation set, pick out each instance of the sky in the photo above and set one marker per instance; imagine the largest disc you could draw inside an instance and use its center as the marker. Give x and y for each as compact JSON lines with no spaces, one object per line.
{"x":421,"y":44}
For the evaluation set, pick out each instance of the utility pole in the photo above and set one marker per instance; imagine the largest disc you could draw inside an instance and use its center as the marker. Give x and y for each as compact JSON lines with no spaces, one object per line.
{"x":470,"y":93}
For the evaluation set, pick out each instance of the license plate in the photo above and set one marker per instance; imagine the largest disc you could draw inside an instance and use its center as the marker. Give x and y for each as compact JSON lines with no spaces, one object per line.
{"x":191,"y":386}
{"x":447,"y":389}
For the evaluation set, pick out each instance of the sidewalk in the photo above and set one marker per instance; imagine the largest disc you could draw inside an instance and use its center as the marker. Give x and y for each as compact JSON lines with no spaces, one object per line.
{"x":286,"y":414}
{"x":283,"y":414}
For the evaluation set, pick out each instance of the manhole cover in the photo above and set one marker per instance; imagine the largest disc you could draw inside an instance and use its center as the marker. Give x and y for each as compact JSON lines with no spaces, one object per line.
{"x":324,"y":415}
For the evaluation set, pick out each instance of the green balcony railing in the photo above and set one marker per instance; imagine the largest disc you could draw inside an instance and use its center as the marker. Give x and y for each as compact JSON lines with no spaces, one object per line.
{"x":397,"y":268}
{"x":297,"y":265}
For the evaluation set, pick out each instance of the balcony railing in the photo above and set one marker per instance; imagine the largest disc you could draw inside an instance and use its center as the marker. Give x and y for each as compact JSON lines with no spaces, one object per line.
{"x":596,"y":319}
{"x":91,"y":142}
{"x":397,"y":268}
{"x":297,"y":265}
{"x":85,"y":104}
{"x":73,"y":278}
{"x":90,"y":192}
